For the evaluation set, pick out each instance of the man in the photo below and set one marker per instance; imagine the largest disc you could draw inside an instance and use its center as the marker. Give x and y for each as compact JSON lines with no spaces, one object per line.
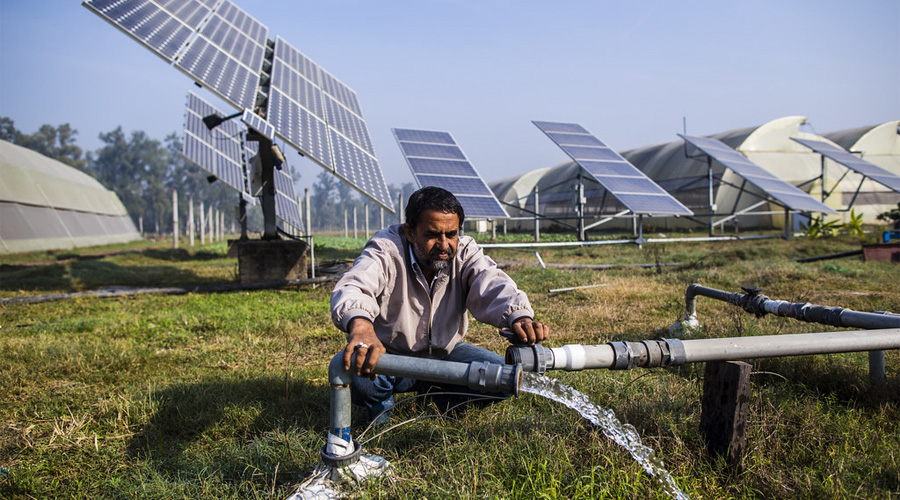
{"x":408,"y":293}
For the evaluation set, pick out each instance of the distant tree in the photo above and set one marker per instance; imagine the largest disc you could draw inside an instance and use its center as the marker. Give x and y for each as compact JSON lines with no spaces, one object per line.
{"x":53,"y":142}
{"x":325,"y":199}
{"x":135,"y":169}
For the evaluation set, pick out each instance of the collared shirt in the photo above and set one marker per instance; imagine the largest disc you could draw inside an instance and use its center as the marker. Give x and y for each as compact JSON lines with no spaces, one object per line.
{"x":410,"y":317}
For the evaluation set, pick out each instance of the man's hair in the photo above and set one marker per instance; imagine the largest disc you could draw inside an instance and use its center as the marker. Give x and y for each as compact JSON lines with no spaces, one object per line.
{"x":432,"y":198}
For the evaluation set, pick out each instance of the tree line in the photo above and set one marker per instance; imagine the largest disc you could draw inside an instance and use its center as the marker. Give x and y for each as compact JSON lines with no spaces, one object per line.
{"x":144,"y":171}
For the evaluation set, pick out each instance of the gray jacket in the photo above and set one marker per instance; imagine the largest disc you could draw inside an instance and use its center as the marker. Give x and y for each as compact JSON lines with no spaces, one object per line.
{"x":386,"y":288}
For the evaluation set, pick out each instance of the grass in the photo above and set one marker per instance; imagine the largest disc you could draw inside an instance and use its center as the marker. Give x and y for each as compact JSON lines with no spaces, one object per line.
{"x":225,"y":395}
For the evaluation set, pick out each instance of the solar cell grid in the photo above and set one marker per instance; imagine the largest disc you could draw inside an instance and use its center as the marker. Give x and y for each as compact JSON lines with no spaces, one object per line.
{"x":789,"y":195}
{"x":233,"y":42}
{"x":222,"y":74}
{"x":146,"y":22}
{"x":437,"y":166}
{"x":853,"y":162}
{"x":300,"y":128}
{"x":243,"y":21}
{"x":620,"y":178}
{"x":300,"y":89}
{"x":436,"y":160}
{"x":258,"y":124}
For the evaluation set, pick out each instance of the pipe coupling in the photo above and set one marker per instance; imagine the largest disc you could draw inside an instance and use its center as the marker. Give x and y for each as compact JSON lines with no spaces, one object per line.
{"x":493,"y":377}
{"x":339,"y":461}
{"x":647,"y":354}
{"x":535,"y":358}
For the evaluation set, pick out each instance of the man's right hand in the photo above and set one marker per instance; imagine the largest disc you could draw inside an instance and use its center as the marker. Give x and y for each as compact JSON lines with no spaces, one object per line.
{"x":361,"y":339}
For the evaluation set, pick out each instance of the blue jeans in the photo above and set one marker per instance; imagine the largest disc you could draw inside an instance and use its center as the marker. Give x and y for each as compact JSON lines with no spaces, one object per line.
{"x":378,"y":395}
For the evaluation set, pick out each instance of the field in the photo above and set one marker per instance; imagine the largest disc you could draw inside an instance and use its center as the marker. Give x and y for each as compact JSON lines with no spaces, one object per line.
{"x":224,"y":395}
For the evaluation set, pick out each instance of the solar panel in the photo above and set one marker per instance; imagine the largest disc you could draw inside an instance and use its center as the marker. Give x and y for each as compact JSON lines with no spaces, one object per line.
{"x":286,"y":207}
{"x":146,"y":22}
{"x":317,"y":114}
{"x":436,"y":160}
{"x":259,"y":124}
{"x":218,"y":151}
{"x":853,"y":162}
{"x":224,"y":49}
{"x":778,"y":189}
{"x":621,"y":179}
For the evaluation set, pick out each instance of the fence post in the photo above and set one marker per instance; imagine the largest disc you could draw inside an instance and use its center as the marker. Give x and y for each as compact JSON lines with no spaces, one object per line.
{"x":724,"y":407}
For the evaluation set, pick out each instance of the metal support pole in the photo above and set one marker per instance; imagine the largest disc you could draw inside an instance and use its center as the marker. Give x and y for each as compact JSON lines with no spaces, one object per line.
{"x":202,"y":224}
{"x":537,"y":215}
{"x":787,"y":223}
{"x":580,"y":207}
{"x":400,"y":212}
{"x":346,"y":231}
{"x":310,"y":242}
{"x":367,"y":220}
{"x":493,"y":229}
{"x":712,"y":208}
{"x":191,"y":228}
{"x":640,"y":225}
{"x":355,"y":224}
{"x":175,"y":218}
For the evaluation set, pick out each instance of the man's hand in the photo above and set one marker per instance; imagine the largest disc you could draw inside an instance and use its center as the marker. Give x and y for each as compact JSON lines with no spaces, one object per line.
{"x":530,"y":331}
{"x":362,"y":340}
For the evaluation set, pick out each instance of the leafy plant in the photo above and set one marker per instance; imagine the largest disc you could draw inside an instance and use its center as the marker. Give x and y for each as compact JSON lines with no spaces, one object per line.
{"x":891,"y":217}
{"x":854,"y":226}
{"x":818,"y":228}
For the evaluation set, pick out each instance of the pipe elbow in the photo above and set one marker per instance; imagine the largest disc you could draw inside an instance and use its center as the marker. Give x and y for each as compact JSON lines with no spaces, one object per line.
{"x":337,"y":375}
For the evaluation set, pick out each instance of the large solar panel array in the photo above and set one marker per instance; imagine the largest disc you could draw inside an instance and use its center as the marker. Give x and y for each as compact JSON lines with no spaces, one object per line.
{"x":621,"y":179}
{"x":223,"y":48}
{"x":286,"y":207}
{"x":853,"y":162}
{"x":320,"y":116}
{"x":218,"y":151}
{"x":436,"y":160}
{"x":790,"y":196}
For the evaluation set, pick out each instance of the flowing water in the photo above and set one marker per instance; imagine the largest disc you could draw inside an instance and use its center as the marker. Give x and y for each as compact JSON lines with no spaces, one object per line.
{"x":624,"y":435}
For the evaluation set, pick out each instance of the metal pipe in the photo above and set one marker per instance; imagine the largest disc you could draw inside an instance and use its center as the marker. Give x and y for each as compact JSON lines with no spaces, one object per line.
{"x":477,"y":375}
{"x":673,"y":352}
{"x":760,"y":305}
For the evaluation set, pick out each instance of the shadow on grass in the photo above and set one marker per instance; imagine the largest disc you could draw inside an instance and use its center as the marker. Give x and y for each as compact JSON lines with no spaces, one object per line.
{"x":90,"y":274}
{"x":206,"y":422}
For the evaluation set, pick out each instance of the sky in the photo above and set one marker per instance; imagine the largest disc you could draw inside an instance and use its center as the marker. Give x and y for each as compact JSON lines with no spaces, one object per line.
{"x":632,"y":73}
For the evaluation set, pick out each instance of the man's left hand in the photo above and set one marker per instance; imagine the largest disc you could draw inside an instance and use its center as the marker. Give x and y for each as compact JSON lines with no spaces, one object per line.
{"x":530,"y":331}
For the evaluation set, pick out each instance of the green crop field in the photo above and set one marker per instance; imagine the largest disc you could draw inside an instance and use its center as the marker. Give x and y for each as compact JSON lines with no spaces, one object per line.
{"x":224,"y":395}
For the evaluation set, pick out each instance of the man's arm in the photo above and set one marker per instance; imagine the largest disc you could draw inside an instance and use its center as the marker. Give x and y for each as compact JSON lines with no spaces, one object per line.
{"x":530,"y":331}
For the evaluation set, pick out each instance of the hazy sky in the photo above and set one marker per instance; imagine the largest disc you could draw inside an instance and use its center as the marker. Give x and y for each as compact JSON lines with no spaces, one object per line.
{"x":483,"y":69}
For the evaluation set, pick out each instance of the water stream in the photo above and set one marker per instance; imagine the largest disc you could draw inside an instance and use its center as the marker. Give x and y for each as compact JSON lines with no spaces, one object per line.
{"x":624,"y":435}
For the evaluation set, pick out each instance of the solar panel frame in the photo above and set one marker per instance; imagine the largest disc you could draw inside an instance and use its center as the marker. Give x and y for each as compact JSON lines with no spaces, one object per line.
{"x":435,"y":159}
{"x":259,"y":124}
{"x":612,"y":171}
{"x":286,"y":206}
{"x":853,"y":162}
{"x":789,"y":195}
{"x":218,"y":151}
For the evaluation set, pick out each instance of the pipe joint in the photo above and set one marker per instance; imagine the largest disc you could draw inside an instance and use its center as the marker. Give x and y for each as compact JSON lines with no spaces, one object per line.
{"x":535,"y":358}
{"x":493,"y":377}
{"x":753,"y":301}
{"x":647,"y":354}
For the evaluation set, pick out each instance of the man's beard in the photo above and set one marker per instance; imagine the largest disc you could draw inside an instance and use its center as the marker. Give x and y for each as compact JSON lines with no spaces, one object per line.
{"x":431,"y":261}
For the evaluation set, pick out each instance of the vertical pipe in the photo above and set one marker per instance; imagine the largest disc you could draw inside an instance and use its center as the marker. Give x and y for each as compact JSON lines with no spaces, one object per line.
{"x":787,"y":223}
{"x":537,"y":216}
{"x":493,"y":229}
{"x":175,"y":218}
{"x":712,"y":204}
{"x":580,"y":207}
{"x":822,"y":178}
{"x":876,"y":369}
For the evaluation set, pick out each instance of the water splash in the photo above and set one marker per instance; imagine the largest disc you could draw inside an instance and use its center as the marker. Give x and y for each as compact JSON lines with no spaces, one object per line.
{"x":625,"y":435}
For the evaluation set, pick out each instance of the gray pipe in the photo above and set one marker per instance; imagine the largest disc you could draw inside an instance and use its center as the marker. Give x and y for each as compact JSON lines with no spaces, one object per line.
{"x":477,"y":375}
{"x":672,"y":352}
{"x":760,"y":305}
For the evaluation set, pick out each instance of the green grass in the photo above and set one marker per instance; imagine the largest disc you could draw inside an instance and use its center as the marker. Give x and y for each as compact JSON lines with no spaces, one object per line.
{"x":225,"y":395}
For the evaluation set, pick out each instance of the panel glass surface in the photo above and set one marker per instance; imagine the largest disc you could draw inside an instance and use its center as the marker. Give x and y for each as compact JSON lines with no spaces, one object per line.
{"x":853,"y":162}
{"x":258,"y":124}
{"x":146,"y":22}
{"x":360,"y":169}
{"x":218,"y":151}
{"x":787,"y":194}
{"x":286,"y":207}
{"x":221,"y":73}
{"x":621,"y":179}
{"x":300,"y":128}
{"x":436,"y":160}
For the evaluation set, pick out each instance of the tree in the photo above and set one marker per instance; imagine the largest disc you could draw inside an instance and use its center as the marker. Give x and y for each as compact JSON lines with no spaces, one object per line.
{"x":325,"y":202}
{"x":53,"y":142}
{"x":135,"y":169}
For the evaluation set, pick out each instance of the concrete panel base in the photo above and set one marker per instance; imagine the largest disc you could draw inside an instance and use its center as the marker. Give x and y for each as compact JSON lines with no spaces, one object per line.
{"x":271,"y":260}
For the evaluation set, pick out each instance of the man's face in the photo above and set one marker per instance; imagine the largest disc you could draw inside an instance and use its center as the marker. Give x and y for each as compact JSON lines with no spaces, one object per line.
{"x":434,"y":239}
